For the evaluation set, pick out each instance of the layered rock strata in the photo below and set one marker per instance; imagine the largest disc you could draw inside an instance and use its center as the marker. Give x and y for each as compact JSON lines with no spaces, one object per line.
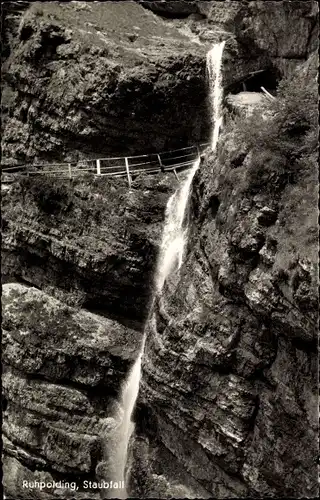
{"x":92,"y":243}
{"x":100,"y":79}
{"x":229,"y":384}
{"x":62,"y":373}
{"x":228,"y":396}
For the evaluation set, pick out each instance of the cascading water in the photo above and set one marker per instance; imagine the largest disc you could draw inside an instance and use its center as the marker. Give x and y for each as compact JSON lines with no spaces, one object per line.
{"x":170,"y":260}
{"x":128,"y":399}
{"x":174,"y":233}
{"x":214,"y":61}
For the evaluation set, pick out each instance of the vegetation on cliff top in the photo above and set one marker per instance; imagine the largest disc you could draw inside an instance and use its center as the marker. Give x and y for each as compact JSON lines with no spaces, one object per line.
{"x":123,"y":30}
{"x":278,"y":142}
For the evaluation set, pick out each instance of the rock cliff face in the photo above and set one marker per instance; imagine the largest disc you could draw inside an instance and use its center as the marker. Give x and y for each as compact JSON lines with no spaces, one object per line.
{"x":62,"y":374}
{"x":99,"y":79}
{"x":91,"y":243}
{"x":229,"y":384}
{"x":228,"y":403}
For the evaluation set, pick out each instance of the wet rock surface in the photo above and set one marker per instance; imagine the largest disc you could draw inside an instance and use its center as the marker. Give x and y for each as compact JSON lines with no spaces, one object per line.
{"x":62,"y":372}
{"x":229,"y":382}
{"x":92,"y":243}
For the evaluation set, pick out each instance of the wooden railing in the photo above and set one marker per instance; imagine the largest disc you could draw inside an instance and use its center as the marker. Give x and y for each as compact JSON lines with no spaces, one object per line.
{"x":129,"y":166}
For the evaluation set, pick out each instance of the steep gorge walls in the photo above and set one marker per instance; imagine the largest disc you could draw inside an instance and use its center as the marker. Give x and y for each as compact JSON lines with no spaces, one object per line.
{"x":100,"y":78}
{"x":228,"y":403}
{"x":62,"y":370}
{"x":91,"y":243}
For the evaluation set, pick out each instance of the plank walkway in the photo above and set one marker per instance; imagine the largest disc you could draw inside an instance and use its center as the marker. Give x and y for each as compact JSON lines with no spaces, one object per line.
{"x":122,"y":166}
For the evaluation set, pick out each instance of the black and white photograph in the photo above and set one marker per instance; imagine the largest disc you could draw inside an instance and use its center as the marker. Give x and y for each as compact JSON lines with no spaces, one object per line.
{"x":160,"y":255}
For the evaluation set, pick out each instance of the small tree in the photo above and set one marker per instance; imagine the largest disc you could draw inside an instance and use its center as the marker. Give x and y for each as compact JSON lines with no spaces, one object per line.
{"x":282,"y":136}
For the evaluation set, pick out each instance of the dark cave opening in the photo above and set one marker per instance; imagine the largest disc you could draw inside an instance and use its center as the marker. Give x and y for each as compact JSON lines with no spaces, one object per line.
{"x":267,"y":78}
{"x":48,"y":47}
{"x":26,"y":32}
{"x":173,"y":10}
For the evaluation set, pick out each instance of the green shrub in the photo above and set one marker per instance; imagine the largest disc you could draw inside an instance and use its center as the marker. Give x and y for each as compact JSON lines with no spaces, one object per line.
{"x":282,"y":137}
{"x":268,"y":170}
{"x":51,"y":195}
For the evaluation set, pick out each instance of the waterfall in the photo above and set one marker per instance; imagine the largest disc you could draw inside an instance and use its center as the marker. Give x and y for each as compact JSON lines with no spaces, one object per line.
{"x":174,"y":235}
{"x":214,"y":61}
{"x":170,"y":259}
{"x":129,"y":396}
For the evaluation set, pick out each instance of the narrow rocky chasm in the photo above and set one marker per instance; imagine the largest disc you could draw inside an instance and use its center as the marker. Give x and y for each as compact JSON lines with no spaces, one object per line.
{"x":227,"y":403}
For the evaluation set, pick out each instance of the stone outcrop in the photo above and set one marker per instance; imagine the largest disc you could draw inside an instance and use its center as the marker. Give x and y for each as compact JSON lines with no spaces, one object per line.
{"x":286,"y":32}
{"x":229,"y":386}
{"x":92,"y":243}
{"x":116,"y":81}
{"x":62,"y":372}
{"x":283,"y":29}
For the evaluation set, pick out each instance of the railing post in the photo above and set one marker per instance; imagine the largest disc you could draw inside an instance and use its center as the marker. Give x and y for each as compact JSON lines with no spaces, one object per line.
{"x":70,"y":172}
{"x":160,"y":163}
{"x":128,"y":171}
{"x":98,"y":167}
{"x":175,"y":173}
{"x":267,"y":93}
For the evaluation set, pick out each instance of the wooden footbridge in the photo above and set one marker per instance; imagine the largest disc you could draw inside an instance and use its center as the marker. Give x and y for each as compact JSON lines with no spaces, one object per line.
{"x":122,"y":166}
